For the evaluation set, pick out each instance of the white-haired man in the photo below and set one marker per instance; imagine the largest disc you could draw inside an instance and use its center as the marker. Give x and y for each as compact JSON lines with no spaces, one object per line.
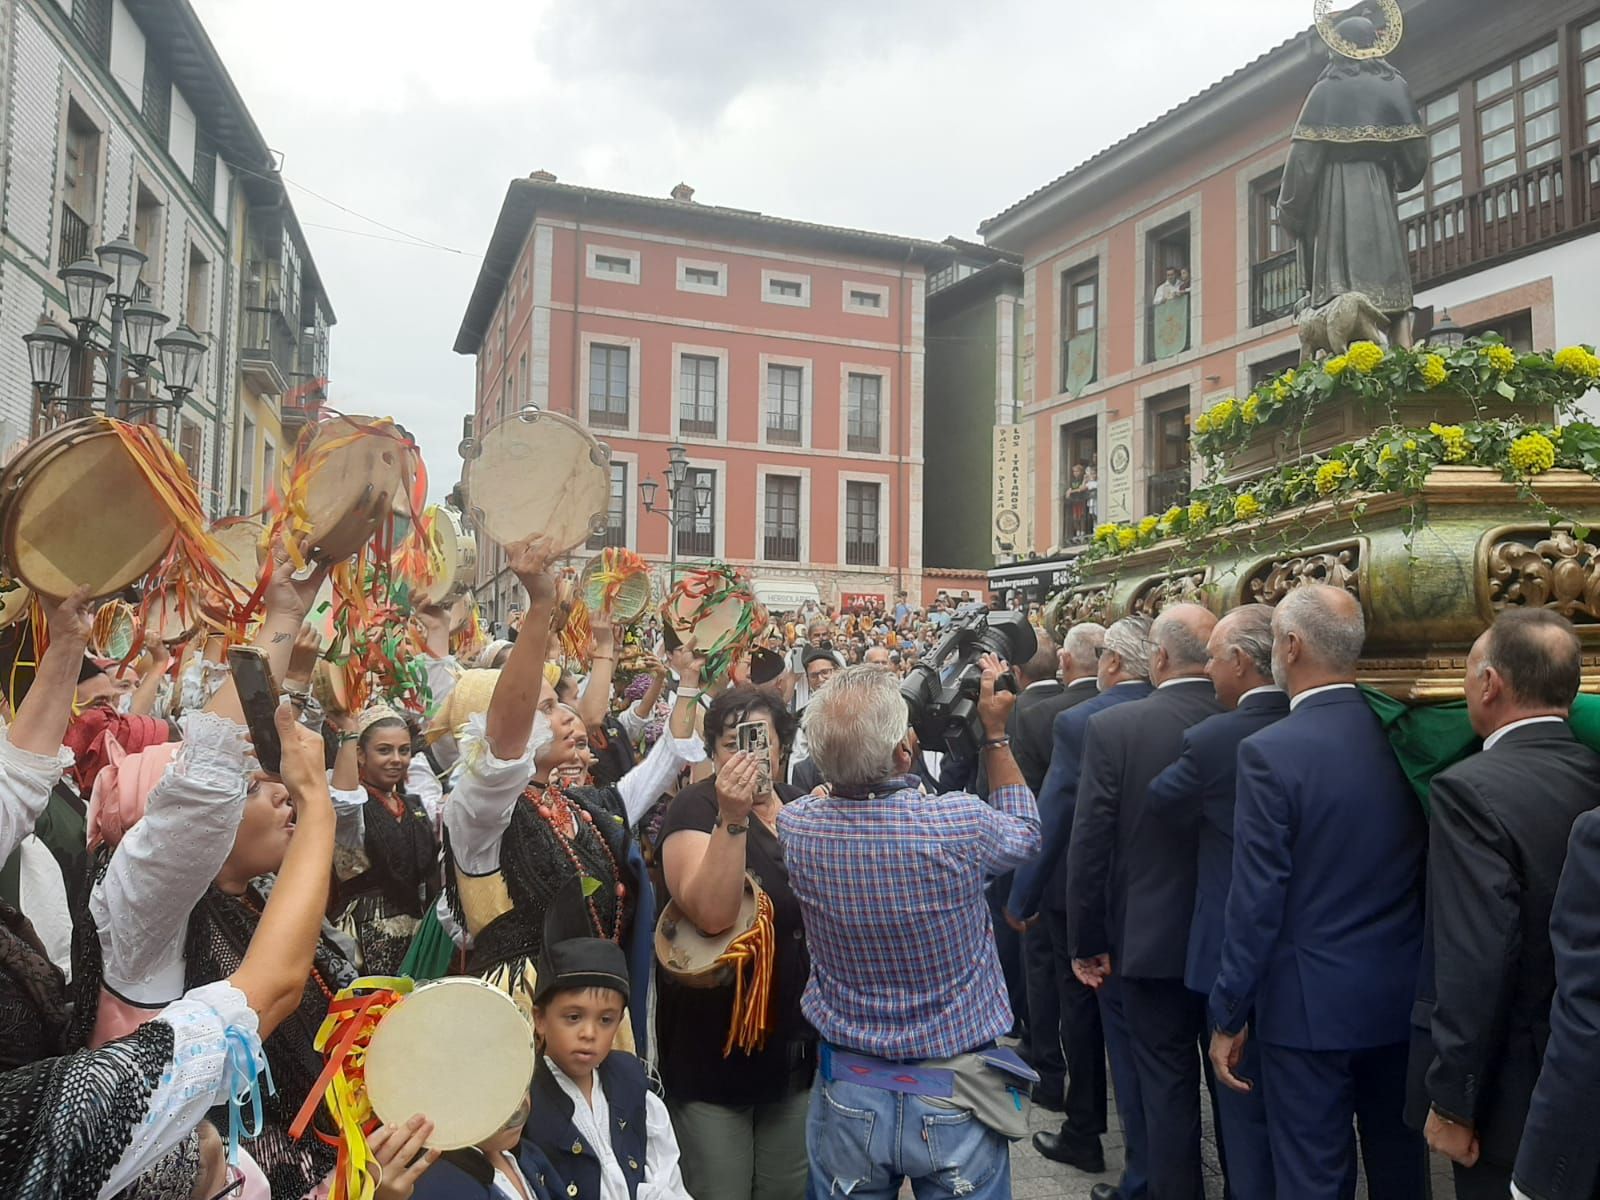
{"x":906,"y":990}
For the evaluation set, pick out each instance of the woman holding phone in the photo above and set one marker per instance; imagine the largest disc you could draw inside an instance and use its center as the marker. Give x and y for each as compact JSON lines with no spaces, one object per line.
{"x":740,"y":1118}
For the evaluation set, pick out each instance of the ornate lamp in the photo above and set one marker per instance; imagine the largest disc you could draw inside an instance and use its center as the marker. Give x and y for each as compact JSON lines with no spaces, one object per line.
{"x":142,"y":322}
{"x":85,"y":284}
{"x":647,"y":493}
{"x":182,"y":352}
{"x":124,"y":261}
{"x":702,"y":495}
{"x":49,"y":355}
{"x":1447,"y":335}
{"x":677,"y":465}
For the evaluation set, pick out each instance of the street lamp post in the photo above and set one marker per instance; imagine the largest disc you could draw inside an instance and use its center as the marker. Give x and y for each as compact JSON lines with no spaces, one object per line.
{"x":56,"y":358}
{"x":676,"y":473}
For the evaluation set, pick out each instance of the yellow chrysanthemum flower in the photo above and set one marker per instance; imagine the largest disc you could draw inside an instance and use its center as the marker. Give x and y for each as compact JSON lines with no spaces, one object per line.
{"x":1411,"y":443}
{"x":1533,"y":454}
{"x":1251,"y":409}
{"x":1336,"y":366}
{"x":1386,"y":455}
{"x":1223,"y":413}
{"x":1365,"y":356}
{"x":1329,"y":476}
{"x":1246,"y":506}
{"x":1434,"y":372}
{"x":1454,"y":439}
{"x":1104,"y":532}
{"x":1148,"y":526}
{"x":1198,"y":511}
{"x":1126,"y":537}
{"x":1575,"y":360}
{"x":1501,"y":358}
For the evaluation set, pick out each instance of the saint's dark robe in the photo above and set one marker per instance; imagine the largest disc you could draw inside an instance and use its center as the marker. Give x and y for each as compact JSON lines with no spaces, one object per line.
{"x":1359,"y":142}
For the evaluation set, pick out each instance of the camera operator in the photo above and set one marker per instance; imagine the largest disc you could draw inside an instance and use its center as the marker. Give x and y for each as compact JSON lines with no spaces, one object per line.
{"x":904,"y":973}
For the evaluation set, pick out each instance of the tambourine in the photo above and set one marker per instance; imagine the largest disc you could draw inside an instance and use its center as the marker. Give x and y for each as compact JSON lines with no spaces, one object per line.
{"x":457,"y":559}
{"x":164,"y":619}
{"x":357,"y":472}
{"x":717,"y":605}
{"x":115,"y":629}
{"x":330,"y":688}
{"x":615,"y":586}
{"x":697,"y":959}
{"x":240,"y":555}
{"x":538,"y":472}
{"x":456,"y":1049}
{"x":77,"y":510}
{"x":14,"y":602}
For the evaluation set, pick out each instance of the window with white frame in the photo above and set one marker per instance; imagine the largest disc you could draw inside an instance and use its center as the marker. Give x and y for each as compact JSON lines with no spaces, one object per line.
{"x":616,"y":531}
{"x":861,"y":548}
{"x":706,"y":278}
{"x":781,"y":537}
{"x":868,"y":298}
{"x":697,"y":526}
{"x":609,"y":368}
{"x":697,"y":395}
{"x":780,"y":287}
{"x":864,"y":413}
{"x":785,"y":388}
{"x":612,"y":264}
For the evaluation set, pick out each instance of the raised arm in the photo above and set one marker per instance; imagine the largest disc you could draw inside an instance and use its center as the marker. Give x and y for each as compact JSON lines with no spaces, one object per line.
{"x":509,"y":723}
{"x":642,"y":787}
{"x":287,"y":601}
{"x":596,"y":698}
{"x":149,"y":689}
{"x":278,"y":960}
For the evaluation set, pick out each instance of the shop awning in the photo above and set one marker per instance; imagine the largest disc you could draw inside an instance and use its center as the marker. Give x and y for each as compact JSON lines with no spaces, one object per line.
{"x":785,"y":595}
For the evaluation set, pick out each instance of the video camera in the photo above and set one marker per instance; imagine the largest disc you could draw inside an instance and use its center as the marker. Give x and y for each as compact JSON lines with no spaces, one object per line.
{"x":942,"y":690}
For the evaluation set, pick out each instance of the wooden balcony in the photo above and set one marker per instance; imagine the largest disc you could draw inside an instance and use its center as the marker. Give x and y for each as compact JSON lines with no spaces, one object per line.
{"x":1547,"y":204}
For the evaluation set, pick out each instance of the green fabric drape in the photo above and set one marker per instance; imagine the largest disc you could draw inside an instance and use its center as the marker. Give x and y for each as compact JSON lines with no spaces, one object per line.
{"x":431,"y":950}
{"x":1427,"y":738}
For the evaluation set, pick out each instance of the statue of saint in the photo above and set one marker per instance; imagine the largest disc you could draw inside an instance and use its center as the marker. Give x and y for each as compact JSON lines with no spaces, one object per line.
{"x":1358,"y":144}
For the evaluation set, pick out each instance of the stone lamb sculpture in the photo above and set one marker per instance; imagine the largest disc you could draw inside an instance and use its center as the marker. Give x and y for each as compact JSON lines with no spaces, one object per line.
{"x":1351,"y":317}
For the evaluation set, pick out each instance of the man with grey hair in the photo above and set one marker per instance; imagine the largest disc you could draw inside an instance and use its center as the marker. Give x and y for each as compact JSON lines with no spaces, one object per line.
{"x":905,"y":978}
{"x":1323,"y":930}
{"x":1122,"y":670}
{"x":1194,"y":799}
{"x":1130,"y":882}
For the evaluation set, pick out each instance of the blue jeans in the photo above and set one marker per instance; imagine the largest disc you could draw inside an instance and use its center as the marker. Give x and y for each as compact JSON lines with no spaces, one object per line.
{"x":864,"y":1142}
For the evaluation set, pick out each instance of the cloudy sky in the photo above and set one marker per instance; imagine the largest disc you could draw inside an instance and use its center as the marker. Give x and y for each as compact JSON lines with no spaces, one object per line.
{"x":407,"y":119}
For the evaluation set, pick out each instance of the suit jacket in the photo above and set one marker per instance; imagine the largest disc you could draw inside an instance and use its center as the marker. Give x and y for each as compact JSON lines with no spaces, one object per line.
{"x":1131,"y":874}
{"x":1496,"y":844}
{"x":468,"y":1175}
{"x":1028,"y":699}
{"x":1323,"y":930}
{"x":1044,"y":878}
{"x":1195,"y":797}
{"x":1560,"y":1154}
{"x":1035,"y":736}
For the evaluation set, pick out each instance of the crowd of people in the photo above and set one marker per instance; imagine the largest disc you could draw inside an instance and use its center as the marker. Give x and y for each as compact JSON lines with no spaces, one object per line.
{"x":1187,"y":858}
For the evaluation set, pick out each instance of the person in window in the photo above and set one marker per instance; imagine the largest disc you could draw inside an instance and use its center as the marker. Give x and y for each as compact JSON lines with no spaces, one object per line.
{"x":1169,"y":289}
{"x":1183,"y":281}
{"x":740,"y":1117}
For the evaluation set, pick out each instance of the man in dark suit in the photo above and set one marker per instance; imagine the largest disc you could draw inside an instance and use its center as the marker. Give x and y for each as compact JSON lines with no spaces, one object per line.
{"x":1323,"y":931}
{"x":1088,"y":1022}
{"x":1496,"y":844}
{"x":1130,"y":892}
{"x":1194,"y":796}
{"x":1036,"y":683}
{"x":1560,"y":1154}
{"x":1047,"y":963}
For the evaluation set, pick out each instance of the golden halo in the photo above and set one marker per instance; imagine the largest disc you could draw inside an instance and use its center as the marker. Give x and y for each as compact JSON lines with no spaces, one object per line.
{"x":1394,"y":27}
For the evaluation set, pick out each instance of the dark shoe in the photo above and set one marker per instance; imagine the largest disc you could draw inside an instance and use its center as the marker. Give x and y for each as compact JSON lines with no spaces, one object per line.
{"x":1082,"y":1153}
{"x":1104,"y":1191}
{"x":1054,"y":1101}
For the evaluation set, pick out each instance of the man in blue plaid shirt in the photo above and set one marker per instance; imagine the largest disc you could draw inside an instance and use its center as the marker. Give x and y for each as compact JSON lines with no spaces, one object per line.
{"x":904,"y":970}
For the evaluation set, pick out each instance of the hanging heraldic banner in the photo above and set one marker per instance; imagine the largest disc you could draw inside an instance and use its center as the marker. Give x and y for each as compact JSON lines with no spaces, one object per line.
{"x":1081,"y":362}
{"x":1012,"y":526}
{"x":1171,"y":327}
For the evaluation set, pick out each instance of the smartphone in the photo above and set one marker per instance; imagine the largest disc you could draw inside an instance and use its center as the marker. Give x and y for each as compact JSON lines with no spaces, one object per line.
{"x":259,"y":696}
{"x":753,"y":739}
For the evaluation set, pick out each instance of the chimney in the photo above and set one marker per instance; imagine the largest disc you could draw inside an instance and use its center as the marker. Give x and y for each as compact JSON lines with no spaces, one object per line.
{"x":542,"y":175}
{"x":684,"y":193}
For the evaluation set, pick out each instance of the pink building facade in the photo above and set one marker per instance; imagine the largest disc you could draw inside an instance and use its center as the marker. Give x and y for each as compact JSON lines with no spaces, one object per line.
{"x":786,"y":358}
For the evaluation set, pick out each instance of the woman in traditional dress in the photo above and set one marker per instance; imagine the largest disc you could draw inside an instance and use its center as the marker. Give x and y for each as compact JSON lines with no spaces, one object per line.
{"x":513,"y":835}
{"x":91,"y":1123}
{"x":387,"y":858}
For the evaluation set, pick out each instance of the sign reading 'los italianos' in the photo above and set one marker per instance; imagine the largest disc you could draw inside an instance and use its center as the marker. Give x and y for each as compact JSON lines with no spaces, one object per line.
{"x":1011,"y":528}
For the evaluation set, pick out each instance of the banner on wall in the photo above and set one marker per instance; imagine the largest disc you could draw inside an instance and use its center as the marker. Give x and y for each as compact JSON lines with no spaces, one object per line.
{"x":1012,"y":525}
{"x":1118,"y":481}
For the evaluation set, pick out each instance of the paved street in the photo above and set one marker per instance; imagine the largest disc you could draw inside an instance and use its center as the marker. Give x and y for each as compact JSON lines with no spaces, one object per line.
{"x":1034,"y":1177}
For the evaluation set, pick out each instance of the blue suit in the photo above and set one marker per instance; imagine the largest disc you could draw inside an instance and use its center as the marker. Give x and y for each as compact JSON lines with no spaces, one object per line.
{"x":1196,"y":794}
{"x":1322,"y":940}
{"x":1057,"y":802}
